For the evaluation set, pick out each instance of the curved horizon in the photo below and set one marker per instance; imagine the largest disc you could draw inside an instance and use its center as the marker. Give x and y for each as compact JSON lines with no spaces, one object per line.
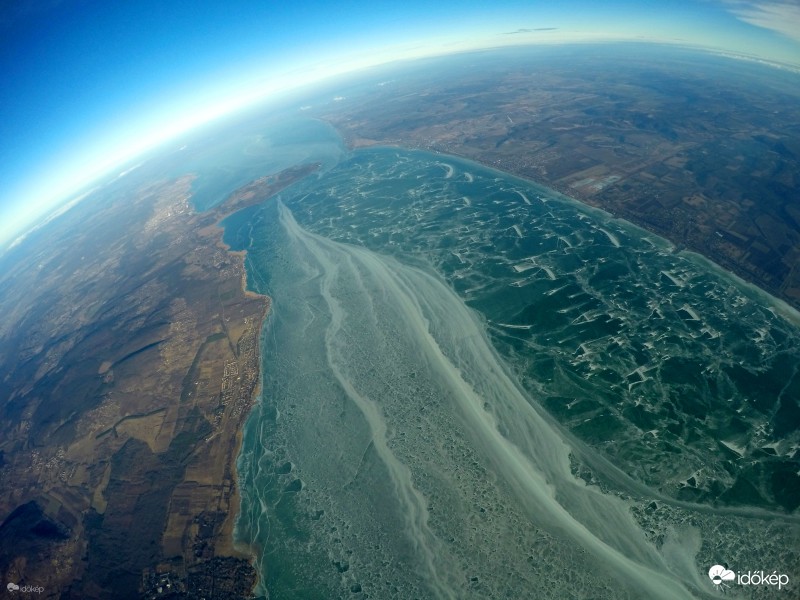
{"x":107,"y":84}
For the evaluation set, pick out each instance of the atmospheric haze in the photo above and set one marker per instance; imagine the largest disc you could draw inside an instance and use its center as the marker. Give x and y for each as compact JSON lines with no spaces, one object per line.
{"x":91,"y":87}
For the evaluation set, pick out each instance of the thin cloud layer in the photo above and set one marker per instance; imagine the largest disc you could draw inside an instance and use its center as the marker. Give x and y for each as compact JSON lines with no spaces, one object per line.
{"x":533,"y":30}
{"x":780,"y":16}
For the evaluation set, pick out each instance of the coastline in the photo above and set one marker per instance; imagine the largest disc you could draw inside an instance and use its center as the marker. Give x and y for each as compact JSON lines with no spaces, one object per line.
{"x":227,"y":530}
{"x":253,"y":193}
{"x":782,"y":304}
{"x":141,"y":410}
{"x":227,"y":542}
{"x":682,"y":182}
{"x":665,"y":247}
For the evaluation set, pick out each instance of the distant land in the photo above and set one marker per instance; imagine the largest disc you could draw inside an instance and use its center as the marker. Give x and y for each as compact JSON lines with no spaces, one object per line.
{"x":130,"y":359}
{"x":702,"y":150}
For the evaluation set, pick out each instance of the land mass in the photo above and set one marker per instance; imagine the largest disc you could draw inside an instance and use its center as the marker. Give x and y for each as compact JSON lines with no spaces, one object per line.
{"x":130,"y":358}
{"x":700,"y":150}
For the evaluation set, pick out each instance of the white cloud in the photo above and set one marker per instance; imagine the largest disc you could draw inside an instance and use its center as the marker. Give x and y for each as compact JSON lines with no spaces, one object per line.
{"x":782,"y":16}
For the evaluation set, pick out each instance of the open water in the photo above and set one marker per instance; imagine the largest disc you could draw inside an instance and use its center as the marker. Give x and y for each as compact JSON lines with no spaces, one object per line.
{"x":476,"y":388}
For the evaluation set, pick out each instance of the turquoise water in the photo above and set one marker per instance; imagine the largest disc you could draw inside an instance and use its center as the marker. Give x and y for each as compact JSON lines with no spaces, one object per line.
{"x":233,"y":153}
{"x":246,"y":152}
{"x":473,"y":387}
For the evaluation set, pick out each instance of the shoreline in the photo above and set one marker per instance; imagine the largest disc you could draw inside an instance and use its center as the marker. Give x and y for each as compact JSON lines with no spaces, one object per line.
{"x":259,"y":191}
{"x":228,"y":528}
{"x":781,"y":305}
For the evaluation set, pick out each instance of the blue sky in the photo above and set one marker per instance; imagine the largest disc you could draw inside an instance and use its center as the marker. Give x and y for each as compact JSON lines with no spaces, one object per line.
{"x":87,"y":84}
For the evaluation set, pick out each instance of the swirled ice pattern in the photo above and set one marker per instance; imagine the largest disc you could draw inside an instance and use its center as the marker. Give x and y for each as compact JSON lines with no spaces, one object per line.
{"x":476,"y":389}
